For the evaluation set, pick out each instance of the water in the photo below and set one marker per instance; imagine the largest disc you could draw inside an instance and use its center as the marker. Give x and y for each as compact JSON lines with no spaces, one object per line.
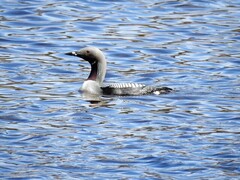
{"x":48,"y":131}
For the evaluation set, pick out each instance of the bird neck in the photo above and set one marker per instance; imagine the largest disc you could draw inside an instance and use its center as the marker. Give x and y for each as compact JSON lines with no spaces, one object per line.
{"x":98,"y":71}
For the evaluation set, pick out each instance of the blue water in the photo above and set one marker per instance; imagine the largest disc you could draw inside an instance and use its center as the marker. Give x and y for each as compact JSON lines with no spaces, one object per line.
{"x":48,"y":131}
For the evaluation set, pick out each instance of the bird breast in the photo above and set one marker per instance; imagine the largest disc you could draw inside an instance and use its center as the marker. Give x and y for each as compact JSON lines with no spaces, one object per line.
{"x":91,"y":87}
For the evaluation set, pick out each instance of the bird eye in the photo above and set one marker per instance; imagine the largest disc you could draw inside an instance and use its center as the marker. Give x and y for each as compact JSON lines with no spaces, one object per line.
{"x":87,"y":51}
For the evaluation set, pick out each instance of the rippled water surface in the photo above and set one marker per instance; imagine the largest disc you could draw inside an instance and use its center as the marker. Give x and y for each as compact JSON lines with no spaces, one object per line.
{"x":48,"y":131}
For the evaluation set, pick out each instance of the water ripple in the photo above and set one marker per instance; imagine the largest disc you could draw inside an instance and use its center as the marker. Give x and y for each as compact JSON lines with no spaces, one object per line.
{"x":49,"y":131}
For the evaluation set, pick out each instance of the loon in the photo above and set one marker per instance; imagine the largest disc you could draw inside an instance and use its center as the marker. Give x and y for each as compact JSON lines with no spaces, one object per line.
{"x":94,"y":83}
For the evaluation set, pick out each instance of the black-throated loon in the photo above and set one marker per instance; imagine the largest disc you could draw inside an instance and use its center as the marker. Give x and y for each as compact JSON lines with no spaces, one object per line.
{"x":94,"y":82}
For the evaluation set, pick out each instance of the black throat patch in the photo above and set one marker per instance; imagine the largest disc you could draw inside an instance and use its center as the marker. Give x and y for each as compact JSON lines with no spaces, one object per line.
{"x":94,"y":71}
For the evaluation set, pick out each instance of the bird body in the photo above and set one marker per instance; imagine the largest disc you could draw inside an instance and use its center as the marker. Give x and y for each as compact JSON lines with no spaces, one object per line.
{"x":94,"y":83}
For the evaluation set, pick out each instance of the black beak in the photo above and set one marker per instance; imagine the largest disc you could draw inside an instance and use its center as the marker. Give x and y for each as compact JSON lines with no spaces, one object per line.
{"x":73,"y":53}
